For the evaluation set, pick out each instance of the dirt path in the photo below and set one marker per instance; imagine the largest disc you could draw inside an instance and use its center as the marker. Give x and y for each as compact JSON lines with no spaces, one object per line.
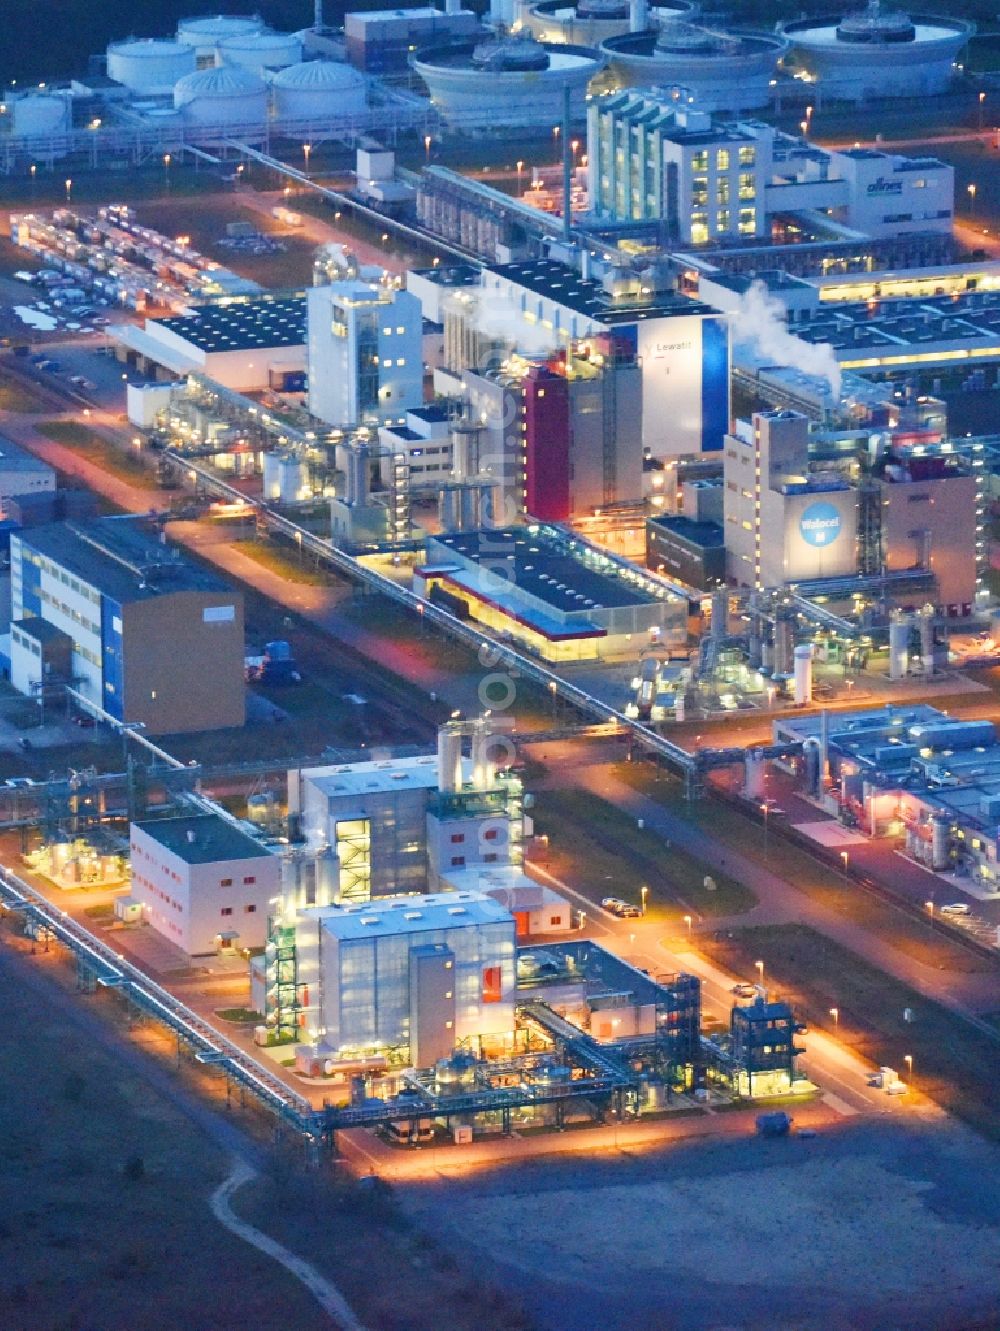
{"x":323,"y":1291}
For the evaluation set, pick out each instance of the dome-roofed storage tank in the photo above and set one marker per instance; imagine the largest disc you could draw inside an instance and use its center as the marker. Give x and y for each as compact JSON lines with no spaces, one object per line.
{"x":225,"y":97}
{"x":261,"y":51}
{"x":149,"y":65}
{"x":41,"y":113}
{"x":878,"y":52}
{"x":515,"y":78}
{"x":207,"y":31}
{"x":722,"y":71}
{"x":318,"y":90}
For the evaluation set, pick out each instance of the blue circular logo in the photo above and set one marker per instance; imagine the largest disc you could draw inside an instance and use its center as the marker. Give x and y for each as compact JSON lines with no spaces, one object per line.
{"x":820,"y":524}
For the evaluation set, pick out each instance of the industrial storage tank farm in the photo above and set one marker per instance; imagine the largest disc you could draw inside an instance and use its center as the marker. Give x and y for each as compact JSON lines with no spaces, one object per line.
{"x":227,"y":96}
{"x":508,"y":82}
{"x":878,"y":52}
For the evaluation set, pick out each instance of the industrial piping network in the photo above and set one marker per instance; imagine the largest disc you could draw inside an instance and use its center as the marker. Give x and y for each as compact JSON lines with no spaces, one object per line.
{"x":500,"y":654}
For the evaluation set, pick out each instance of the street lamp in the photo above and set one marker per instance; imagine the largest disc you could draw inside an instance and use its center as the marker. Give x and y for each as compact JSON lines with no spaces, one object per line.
{"x":760,"y":971}
{"x":427,"y":146}
{"x":982,"y":98}
{"x":645,"y":893}
{"x":804,"y":127}
{"x":835,"y":1014}
{"x":306,"y":150}
{"x":552,"y":690}
{"x":166,"y":171}
{"x":520,"y":168}
{"x":69,"y":189}
{"x":844,"y":857}
{"x":583,"y":919}
{"x":908,"y":1060}
{"x":688,"y":921}
{"x":971,"y":190}
{"x":765,"y":810}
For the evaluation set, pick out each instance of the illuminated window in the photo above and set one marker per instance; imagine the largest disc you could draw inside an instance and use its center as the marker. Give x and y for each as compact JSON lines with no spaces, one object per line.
{"x":492,"y":984}
{"x":748,"y":221}
{"x":699,"y":191}
{"x":722,"y":190}
{"x":722,"y":160}
{"x":748,"y":156}
{"x":748,"y":188}
{"x":699,"y":228}
{"x":723,"y":220}
{"x":699,"y":161}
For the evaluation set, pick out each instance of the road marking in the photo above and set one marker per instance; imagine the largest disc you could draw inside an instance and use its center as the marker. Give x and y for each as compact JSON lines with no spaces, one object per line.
{"x":839,"y":1106}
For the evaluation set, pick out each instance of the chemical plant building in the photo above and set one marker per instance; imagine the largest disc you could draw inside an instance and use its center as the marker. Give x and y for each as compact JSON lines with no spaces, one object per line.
{"x":246,"y":344}
{"x":377,"y":829}
{"x":911,"y":771}
{"x":412,"y":977}
{"x":149,"y":637}
{"x":901,"y":508}
{"x":561,"y":597}
{"x":203,"y":883}
{"x":654,"y":158}
{"x":365,"y":354}
{"x":681,"y":345}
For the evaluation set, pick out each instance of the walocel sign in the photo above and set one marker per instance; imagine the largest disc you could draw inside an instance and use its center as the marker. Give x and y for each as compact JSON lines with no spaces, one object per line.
{"x":820,"y":524}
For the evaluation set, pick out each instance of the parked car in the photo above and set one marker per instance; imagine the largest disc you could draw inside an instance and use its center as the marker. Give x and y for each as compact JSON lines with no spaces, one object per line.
{"x":955,"y":908}
{"x":19,"y":782}
{"x":623,"y":909}
{"x":743,"y":990}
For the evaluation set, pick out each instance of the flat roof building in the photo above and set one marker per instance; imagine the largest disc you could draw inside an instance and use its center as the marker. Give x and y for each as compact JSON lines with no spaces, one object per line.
{"x":156,"y":639}
{"x":21,"y":473}
{"x":567,"y":599}
{"x":202,"y":882}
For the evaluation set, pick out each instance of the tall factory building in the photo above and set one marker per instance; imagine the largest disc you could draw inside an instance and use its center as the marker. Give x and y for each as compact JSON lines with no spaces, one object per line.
{"x":651,"y":158}
{"x":150,"y":637}
{"x":365,"y":354}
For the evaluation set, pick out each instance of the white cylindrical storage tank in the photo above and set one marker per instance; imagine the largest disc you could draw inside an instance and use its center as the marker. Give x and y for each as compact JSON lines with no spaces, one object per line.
{"x":899,"y":645}
{"x":293,"y":480}
{"x":318,"y":90}
{"x":357,"y":475}
{"x":261,"y":51}
{"x":149,"y":65}
{"x":754,"y":764}
{"x":271,"y":471}
{"x":41,"y":113}
{"x":803,"y":674}
{"x":449,"y":759}
{"x":223,"y":97}
{"x":206,"y":33}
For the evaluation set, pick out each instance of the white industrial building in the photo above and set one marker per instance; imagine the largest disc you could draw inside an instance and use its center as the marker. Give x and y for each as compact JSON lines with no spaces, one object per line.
{"x":21,"y":473}
{"x":652,"y":157}
{"x":782,"y":522}
{"x":365,"y":354}
{"x":248,"y":344}
{"x":423,"y":444}
{"x":388,"y":827}
{"x":202,"y":882}
{"x":415,"y":977}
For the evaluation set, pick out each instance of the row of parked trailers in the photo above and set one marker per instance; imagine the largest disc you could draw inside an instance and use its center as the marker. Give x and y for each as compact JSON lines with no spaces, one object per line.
{"x":113,"y":255}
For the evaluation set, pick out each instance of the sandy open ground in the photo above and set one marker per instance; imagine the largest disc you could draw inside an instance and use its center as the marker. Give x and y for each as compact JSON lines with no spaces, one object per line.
{"x":889,"y":1227}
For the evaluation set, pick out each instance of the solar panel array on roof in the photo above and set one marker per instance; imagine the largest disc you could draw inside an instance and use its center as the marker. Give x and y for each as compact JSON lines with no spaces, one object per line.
{"x":243,"y":325}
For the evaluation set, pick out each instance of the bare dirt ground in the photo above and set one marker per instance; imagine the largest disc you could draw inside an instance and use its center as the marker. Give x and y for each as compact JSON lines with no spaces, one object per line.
{"x":865,"y":1228}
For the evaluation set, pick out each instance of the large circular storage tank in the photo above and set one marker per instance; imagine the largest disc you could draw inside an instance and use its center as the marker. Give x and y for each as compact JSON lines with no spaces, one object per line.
{"x":722,"y":71}
{"x":590,"y":22}
{"x":41,"y":113}
{"x":227,"y":96}
{"x":318,"y":90}
{"x":472,"y":83}
{"x":207,"y":32}
{"x":149,"y":65}
{"x":878,"y":53}
{"x":261,"y":51}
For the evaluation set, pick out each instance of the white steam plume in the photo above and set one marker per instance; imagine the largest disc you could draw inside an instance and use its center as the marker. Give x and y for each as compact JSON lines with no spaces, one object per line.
{"x":497,"y":317}
{"x":758,"y":322}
